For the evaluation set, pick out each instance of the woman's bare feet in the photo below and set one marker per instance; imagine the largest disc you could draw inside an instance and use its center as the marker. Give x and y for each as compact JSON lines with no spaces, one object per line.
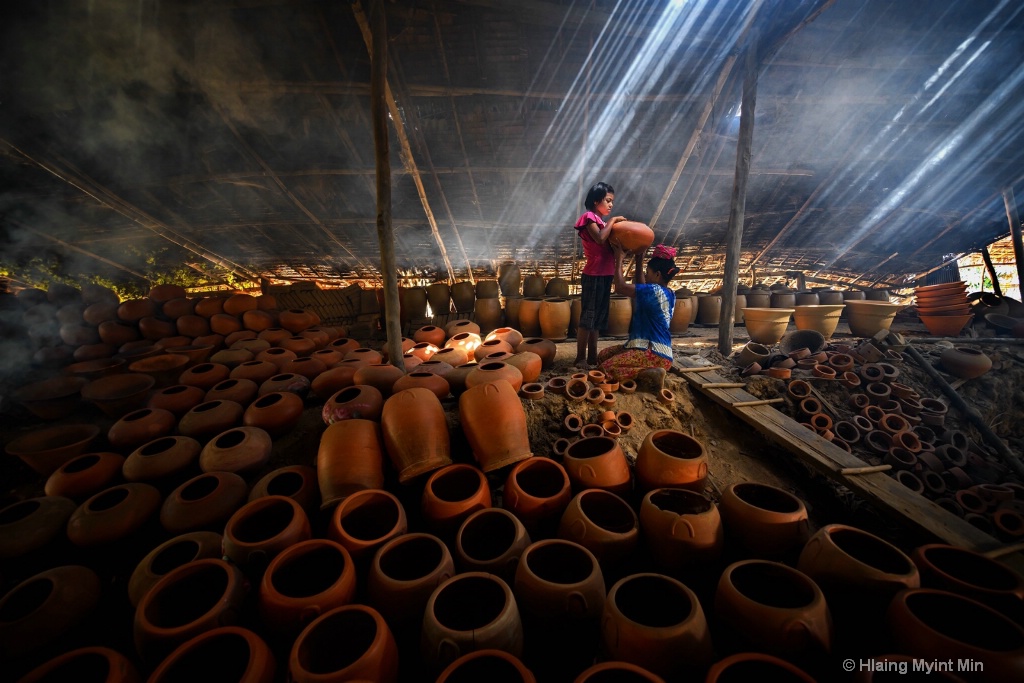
{"x":580,"y":363}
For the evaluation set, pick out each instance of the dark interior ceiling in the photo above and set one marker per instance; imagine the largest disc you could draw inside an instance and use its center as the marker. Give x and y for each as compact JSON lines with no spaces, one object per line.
{"x":232,"y":139}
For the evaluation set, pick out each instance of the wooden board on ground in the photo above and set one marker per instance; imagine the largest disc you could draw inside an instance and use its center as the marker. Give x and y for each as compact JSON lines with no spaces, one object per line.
{"x":888,"y":495}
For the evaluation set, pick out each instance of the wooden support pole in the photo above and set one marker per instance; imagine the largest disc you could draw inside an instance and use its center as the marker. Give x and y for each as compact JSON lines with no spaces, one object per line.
{"x":703,"y":368}
{"x":1018,"y":245}
{"x":996,"y":289}
{"x":867,"y":469}
{"x":1008,"y":456}
{"x":385,"y":235}
{"x":758,"y":402}
{"x":734,"y":239}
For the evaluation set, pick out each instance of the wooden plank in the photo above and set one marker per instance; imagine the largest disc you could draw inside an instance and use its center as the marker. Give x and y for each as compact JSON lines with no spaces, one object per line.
{"x":888,"y":495}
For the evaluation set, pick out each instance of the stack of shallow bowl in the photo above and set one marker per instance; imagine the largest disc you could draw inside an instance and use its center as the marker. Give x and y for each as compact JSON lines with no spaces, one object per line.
{"x":943,"y":308}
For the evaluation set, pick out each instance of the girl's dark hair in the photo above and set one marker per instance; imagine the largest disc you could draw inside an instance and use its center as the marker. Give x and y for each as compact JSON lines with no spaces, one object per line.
{"x":596,"y":194}
{"x":666,"y":267}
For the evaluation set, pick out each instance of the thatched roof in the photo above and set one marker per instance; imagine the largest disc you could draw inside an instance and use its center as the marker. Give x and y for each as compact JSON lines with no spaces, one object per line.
{"x":234,"y":137}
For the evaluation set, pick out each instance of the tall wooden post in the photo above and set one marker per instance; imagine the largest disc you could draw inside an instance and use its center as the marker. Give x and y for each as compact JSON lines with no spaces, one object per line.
{"x":1018,"y":246}
{"x":996,"y":289}
{"x":734,"y":239}
{"x":385,"y":235}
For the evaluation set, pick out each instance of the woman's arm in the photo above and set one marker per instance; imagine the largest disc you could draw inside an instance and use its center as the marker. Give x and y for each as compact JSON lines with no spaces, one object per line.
{"x":640,"y":272}
{"x":601,"y":235}
{"x":621,"y":286}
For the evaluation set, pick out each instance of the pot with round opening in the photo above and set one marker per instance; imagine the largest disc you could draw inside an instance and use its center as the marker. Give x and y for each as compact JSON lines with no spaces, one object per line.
{"x":683,"y":529}
{"x":763,"y":521}
{"x":670,"y":458}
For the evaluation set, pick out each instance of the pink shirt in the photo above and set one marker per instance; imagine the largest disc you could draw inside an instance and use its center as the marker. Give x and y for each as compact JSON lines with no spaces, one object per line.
{"x":600,"y":258}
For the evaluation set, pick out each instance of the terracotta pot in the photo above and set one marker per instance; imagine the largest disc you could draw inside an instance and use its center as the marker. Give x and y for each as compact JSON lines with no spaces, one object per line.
{"x":350,"y":458}
{"x":296,"y":320}
{"x":430,"y":334}
{"x":304,"y":581}
{"x":117,"y":395}
{"x":965,"y":362}
{"x":617,"y":671}
{"x":597,"y":462}
{"x":487,"y":665}
{"x":192,"y":325}
{"x":510,"y":278}
{"x":682,"y":529}
{"x":765,"y":521}
{"x":459,"y":326}
{"x":403,"y":575}
{"x":276,"y":355}
{"x":298,"y":482}
{"x":450,"y":631}
{"x":187,"y":601}
{"x":670,"y":458}
{"x":382,"y":376}
{"x":164,"y":368}
{"x":620,"y":312}
{"x":366,"y":520}
{"x":238,"y":654}
{"x":45,"y":607}
{"x":770,"y":607}
{"x":335,"y":379}
{"x":935,"y":625}
{"x":275,"y":413}
{"x":53,"y":398}
{"x":29,"y":526}
{"x":970,"y":574}
{"x":453,"y":356}
{"x":756,"y":666}
{"x":242,"y":450}
{"x":164,"y":460}
{"x":439,"y":297}
{"x":140,"y":427}
{"x":512,"y":305}
{"x":559,"y":579}
{"x":603,"y":523}
{"x":85,"y":475}
{"x":553,"y":318}
{"x":656,"y":622}
{"x":631,"y":235}
{"x":495,"y":443}
{"x":463,"y":296}
{"x":46,"y":449}
{"x":241,"y":391}
{"x":307,"y":366}
{"x":452,"y":494}
{"x":537,"y":491}
{"x":766,"y":325}
{"x":259,"y":530}
{"x":113,"y":515}
{"x":821,"y":318}
{"x":96,"y":663}
{"x":868,"y":317}
{"x":436,"y":384}
{"x":257,"y":371}
{"x":355,"y":402}
{"x":491,"y":540}
{"x":709,"y":309}
{"x":210,"y":418}
{"x":203,"y":503}
{"x":205,"y":375}
{"x":317,"y":658}
{"x":529,"y":315}
{"x":415,"y":433}
{"x":171,"y":554}
{"x":488,"y":313}
{"x":93,"y":369}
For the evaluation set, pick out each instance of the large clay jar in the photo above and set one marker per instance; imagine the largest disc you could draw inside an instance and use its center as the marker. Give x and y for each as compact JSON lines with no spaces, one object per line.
{"x":258,"y":371}
{"x":494,"y":422}
{"x":463,"y":296}
{"x":46,"y":449}
{"x":304,"y":581}
{"x":545,"y":348}
{"x":116,"y":395}
{"x":439,"y":297}
{"x":868,"y":317}
{"x":430,"y":334}
{"x":632,"y":235}
{"x":820,"y":318}
{"x":680,"y":314}
{"x":298,"y":482}
{"x":529,"y":316}
{"x":350,"y":643}
{"x":415,"y":433}
{"x":617,"y":671}
{"x":275,"y":413}
{"x":597,"y":462}
{"x":210,"y":418}
{"x":45,"y":607}
{"x":261,"y":529}
{"x":682,"y":529}
{"x":95,"y":663}
{"x":537,"y":491}
{"x":139,"y":427}
{"x":491,"y":540}
{"x":604,"y":524}
{"x":205,"y":375}
{"x":766,"y":325}
{"x":487,"y":665}
{"x":171,"y":554}
{"x":356,"y":402}
{"x":459,"y":326}
{"x":557,"y":287}
{"x":471,"y":611}
{"x":657,"y":623}
{"x":762,"y":520}
{"x":116,"y":515}
{"x":188,"y":600}
{"x":488,"y":314}
{"x":510,"y":278}
{"x":534,"y":286}
{"x":31,"y":531}
{"x":670,"y":458}
{"x":971,"y":574}
{"x":751,"y":666}
{"x":404,"y":574}
{"x":770,"y":607}
{"x":709,"y":309}
{"x":350,"y":459}
{"x":553,"y":318}
{"x":512,"y":305}
{"x":241,"y":391}
{"x":84,"y":476}
{"x":934,"y":625}
{"x":436,"y":384}
{"x":242,"y":450}
{"x":965,"y":362}
{"x":227,"y":653}
{"x":620,"y":313}
{"x":366,"y":520}
{"x":205,"y":502}
{"x":165,"y":461}
{"x":452,"y":494}
{"x":51,"y":399}
{"x":295,"y":320}
{"x":859,"y":573}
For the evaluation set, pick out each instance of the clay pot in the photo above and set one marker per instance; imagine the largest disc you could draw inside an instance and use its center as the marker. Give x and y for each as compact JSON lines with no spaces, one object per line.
{"x":486,"y":665}
{"x":187,"y":601}
{"x":275,"y":413}
{"x":327,"y":651}
{"x":236,"y":654}
{"x":682,"y":528}
{"x":631,"y":235}
{"x":296,"y":320}
{"x":140,"y":427}
{"x":171,"y":554}
{"x":354,"y":402}
{"x":488,"y":313}
{"x":938,"y":626}
{"x":93,"y":369}
{"x":529,"y":315}
{"x":430,"y":334}
{"x":450,"y":630}
{"x":972,"y":575}
{"x":709,"y":309}
{"x":403,"y":575}
{"x":620,"y":312}
{"x":46,"y":449}
{"x":205,"y":502}
{"x":415,"y":433}
{"x":276,"y":355}
{"x":766,"y":325}
{"x":205,"y":375}
{"x":54,"y":398}
{"x":162,"y":460}
{"x":86,"y":663}
{"x":965,"y":362}
{"x":350,"y":459}
{"x":495,"y":443}
{"x":258,"y":371}
{"x":491,"y":540}
{"x":868,"y":317}
{"x":241,"y":391}
{"x":537,"y":491}
{"x":597,"y":462}
{"x":241,"y":450}
{"x":307,"y":366}
{"x":436,"y":384}
{"x":298,"y":482}
{"x":603,"y":523}
{"x":558,"y":579}
{"x":764,"y":521}
{"x":382,"y":376}
{"x":454,"y":356}
{"x":463,"y":296}
{"x":670,"y":458}
{"x":85,"y":475}
{"x":112,"y":515}
{"x":553,"y":318}
{"x":304,"y":581}
{"x":770,"y":607}
{"x":45,"y":607}
{"x":439,"y":297}
{"x":820,"y":318}
{"x":509,"y":278}
{"x":618,"y":671}
{"x":261,"y":529}
{"x":756,"y":666}
{"x":117,"y":395}
{"x":366,"y":520}
{"x":210,"y":418}
{"x":681,"y":314}
{"x":452,"y":494}
{"x":29,"y":526}
{"x":528,"y":363}
{"x":655,"y":622}
{"x":493,"y":371}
